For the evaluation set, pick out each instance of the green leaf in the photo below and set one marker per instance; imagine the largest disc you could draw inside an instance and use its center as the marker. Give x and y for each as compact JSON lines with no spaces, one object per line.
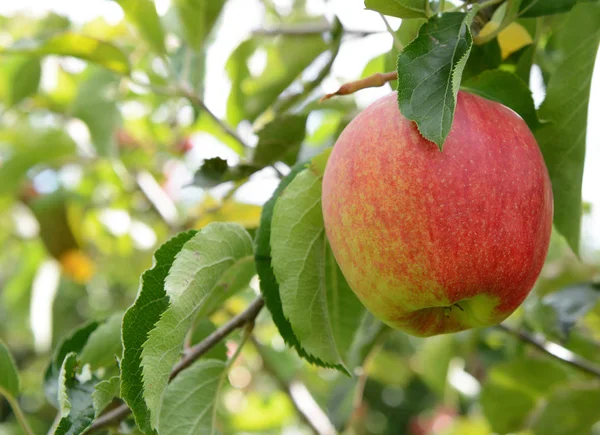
{"x":190,"y":401}
{"x":104,"y":393}
{"x":287,"y":57}
{"x":434,"y":358}
{"x":104,"y":344}
{"x":398,"y":8}
{"x":505,"y":88}
{"x":562,"y":140}
{"x":75,"y":399}
{"x":406,"y":33}
{"x":9,"y":377}
{"x":512,"y":390}
{"x":280,"y":140}
{"x":429,"y":73}
{"x":216,"y":171}
{"x":268,"y":283}
{"x":139,"y":320}
{"x":198,"y":18}
{"x":192,"y":289}
{"x":76,"y":45}
{"x":567,"y":306}
{"x":24,"y":80}
{"x":70,"y":344}
{"x":483,"y":57}
{"x":32,"y":147}
{"x":96,"y":105}
{"x":310,"y":279}
{"x":142,"y":14}
{"x":570,"y":411}
{"x":536,"y":8}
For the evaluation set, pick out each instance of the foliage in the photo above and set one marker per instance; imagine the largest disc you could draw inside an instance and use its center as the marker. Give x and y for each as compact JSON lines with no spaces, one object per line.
{"x":138,"y":239}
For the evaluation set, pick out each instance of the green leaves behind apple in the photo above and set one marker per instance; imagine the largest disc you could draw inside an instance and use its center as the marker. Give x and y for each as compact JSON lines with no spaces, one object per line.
{"x":308,"y":276}
{"x":430,"y":70}
{"x":562,"y":139}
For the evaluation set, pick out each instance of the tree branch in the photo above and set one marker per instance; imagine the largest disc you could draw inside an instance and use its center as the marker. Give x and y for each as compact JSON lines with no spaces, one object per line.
{"x":114,"y":416}
{"x":374,"y":81}
{"x":307,"y":30}
{"x":554,"y":350}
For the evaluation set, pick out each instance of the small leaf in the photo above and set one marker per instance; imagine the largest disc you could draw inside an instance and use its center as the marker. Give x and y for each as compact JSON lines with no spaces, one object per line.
{"x":280,"y":140}
{"x":429,"y":73}
{"x":75,"y":399}
{"x":25,"y":79}
{"x":96,"y":105}
{"x":505,"y":88}
{"x":568,"y":306}
{"x":139,"y":320}
{"x":198,"y":18}
{"x":76,"y":45}
{"x":193,"y":291}
{"x":142,"y":14}
{"x":268,"y":283}
{"x":398,"y":8}
{"x":570,"y":411}
{"x":310,"y":279}
{"x":104,"y":344}
{"x":536,"y":8}
{"x":9,"y":377}
{"x":562,"y":139}
{"x":190,"y":401}
{"x":70,"y":344}
{"x":215,"y":171}
{"x":104,"y":393}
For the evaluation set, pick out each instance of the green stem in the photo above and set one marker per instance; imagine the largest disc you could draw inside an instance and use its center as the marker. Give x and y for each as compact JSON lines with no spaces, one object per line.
{"x":397,"y":43}
{"x":14,"y":404}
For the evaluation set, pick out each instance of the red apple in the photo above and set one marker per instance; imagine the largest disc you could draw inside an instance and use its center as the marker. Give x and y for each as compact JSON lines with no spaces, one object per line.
{"x":436,"y":242}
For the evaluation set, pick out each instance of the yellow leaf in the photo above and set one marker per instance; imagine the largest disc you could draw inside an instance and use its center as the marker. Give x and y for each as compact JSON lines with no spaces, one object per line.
{"x":247,"y":215}
{"x":77,"y":265}
{"x":511,"y":39}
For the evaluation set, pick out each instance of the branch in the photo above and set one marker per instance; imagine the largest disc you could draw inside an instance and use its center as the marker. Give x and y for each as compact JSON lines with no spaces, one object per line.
{"x":554,"y":350}
{"x":374,"y":81}
{"x":116,"y":415}
{"x":307,"y":31}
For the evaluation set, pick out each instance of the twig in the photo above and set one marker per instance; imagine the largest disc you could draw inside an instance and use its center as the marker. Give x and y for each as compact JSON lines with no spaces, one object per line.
{"x":374,"y":81}
{"x":14,"y":404}
{"x":285,"y":386}
{"x":554,"y":350}
{"x":307,"y":31}
{"x":397,"y":43}
{"x":248,"y":315}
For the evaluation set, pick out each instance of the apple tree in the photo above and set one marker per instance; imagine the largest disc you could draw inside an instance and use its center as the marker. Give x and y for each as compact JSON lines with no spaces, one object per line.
{"x":170,"y":268}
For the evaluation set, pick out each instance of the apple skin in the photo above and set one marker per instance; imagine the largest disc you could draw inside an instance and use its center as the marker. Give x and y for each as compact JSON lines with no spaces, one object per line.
{"x":437,"y":242}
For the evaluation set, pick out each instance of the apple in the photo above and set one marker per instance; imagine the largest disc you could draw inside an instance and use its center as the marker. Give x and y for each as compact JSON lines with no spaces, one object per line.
{"x":437,"y":242}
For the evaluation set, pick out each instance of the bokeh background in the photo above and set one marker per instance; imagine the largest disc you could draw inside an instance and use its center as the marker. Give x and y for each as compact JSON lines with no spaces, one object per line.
{"x":109,"y":165}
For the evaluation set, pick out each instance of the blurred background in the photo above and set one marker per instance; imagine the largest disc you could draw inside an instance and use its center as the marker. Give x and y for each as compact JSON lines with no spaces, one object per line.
{"x":97,"y":170}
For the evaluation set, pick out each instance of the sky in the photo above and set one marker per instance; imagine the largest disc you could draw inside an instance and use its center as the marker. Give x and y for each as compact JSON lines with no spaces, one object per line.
{"x":241,"y":17}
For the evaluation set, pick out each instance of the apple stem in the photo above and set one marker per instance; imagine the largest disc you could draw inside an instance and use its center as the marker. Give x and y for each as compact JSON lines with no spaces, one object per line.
{"x":374,"y":81}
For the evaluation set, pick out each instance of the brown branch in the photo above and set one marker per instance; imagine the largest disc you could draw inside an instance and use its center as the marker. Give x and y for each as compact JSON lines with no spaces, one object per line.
{"x":554,"y":350}
{"x":374,"y":81}
{"x":248,"y":315}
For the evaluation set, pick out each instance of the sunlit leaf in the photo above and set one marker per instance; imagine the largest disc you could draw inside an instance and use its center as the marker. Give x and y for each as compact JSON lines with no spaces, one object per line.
{"x":398,"y":8}
{"x":198,"y":18}
{"x":280,"y":140}
{"x":103,"y":346}
{"x":142,"y":14}
{"x":104,"y":393}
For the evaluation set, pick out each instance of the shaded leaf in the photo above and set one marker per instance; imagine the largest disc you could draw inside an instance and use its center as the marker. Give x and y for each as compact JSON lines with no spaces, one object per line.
{"x":203,"y":329}
{"x":142,"y":14}
{"x":562,"y":140}
{"x":193,"y":291}
{"x":280,"y":140}
{"x":9,"y":377}
{"x":75,"y":398}
{"x":198,"y":18}
{"x":429,"y":73}
{"x":310,"y":279}
{"x":505,"y":88}
{"x":104,"y":344}
{"x":536,"y":8}
{"x":216,"y":171}
{"x":190,"y":400}
{"x":77,"y":45}
{"x":96,"y":105}
{"x":104,"y":393}
{"x":398,"y":8}
{"x":70,"y":344}
{"x":139,"y":320}
{"x":482,"y":57}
